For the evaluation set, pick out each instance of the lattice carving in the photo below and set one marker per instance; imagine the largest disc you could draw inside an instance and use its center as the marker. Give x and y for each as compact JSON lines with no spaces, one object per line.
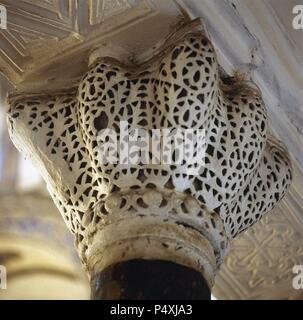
{"x":246,"y":171}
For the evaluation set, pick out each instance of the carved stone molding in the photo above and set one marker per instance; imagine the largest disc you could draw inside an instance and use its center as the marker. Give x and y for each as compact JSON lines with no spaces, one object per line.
{"x":44,"y":40}
{"x":122,"y":212}
{"x":174,"y":227}
{"x":45,"y":23}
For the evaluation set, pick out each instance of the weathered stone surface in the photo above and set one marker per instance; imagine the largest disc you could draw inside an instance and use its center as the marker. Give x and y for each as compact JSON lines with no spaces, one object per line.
{"x":156,"y":212}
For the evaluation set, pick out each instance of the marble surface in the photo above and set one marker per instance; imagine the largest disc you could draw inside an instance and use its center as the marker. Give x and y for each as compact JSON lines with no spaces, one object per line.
{"x":254,"y":38}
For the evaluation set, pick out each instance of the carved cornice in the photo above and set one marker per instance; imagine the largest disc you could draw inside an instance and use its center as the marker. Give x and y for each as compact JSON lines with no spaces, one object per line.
{"x":42,"y":35}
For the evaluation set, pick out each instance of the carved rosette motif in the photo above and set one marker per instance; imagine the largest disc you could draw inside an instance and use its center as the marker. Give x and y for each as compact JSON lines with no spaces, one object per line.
{"x":121,"y":212}
{"x":261,"y":261}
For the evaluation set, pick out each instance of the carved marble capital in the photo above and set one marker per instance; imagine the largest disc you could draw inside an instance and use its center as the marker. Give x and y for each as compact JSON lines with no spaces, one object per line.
{"x":123,"y":212}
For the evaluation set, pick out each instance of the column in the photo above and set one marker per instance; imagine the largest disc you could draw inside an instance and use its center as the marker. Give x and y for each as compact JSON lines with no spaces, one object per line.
{"x":147,"y":225}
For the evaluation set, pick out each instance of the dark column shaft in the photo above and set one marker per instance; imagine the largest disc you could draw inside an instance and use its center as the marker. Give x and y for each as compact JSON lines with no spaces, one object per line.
{"x":149,"y":280}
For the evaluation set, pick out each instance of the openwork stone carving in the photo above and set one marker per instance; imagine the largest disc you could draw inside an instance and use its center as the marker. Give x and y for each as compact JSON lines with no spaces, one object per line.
{"x":121,"y":212}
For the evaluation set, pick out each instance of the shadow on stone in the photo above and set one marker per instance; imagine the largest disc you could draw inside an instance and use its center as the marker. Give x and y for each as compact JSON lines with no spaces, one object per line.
{"x":149,"y":280}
